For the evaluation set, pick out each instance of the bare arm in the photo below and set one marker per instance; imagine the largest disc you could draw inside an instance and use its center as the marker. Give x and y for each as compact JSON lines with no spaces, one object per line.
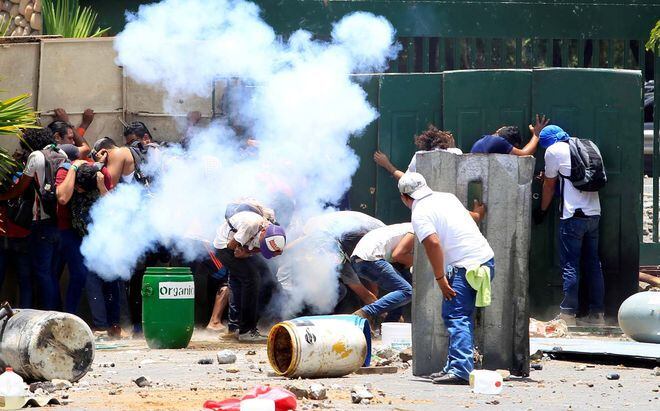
{"x":436,"y":257}
{"x":548,"y":192}
{"x":403,"y":252}
{"x":381,"y":159}
{"x":64,"y":190}
{"x":18,"y":188}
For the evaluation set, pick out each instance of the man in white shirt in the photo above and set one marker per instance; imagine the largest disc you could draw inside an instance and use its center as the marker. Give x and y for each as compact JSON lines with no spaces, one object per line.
{"x":453,"y":245}
{"x":374,"y":258}
{"x":578,"y":228}
{"x":238,"y":240}
{"x":44,"y":235}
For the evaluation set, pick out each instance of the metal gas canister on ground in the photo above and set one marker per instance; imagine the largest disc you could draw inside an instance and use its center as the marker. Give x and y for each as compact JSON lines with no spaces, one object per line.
{"x":168,"y":307}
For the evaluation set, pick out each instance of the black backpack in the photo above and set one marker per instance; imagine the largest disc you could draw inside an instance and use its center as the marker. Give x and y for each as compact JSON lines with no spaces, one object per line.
{"x":139,"y":153}
{"x":46,"y":190}
{"x":587,"y":169}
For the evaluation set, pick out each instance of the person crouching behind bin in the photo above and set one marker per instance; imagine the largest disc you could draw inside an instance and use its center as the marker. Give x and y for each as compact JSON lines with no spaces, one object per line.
{"x":239,"y":240}
{"x":461,"y":259}
{"x":384,"y":256}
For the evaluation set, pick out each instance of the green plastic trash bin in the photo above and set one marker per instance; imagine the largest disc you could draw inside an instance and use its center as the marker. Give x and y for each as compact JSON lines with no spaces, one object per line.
{"x":168,"y":306}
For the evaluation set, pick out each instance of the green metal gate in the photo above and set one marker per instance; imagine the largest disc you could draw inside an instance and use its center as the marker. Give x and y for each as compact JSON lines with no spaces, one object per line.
{"x":602,"y":105}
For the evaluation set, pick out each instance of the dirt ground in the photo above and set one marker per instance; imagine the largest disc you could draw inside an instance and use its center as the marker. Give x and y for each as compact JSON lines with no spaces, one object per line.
{"x":180,"y":383}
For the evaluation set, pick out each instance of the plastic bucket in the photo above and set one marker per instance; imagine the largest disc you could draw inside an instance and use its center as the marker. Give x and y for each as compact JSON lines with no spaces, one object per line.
{"x":311,"y":349}
{"x":397,"y":335}
{"x":353,"y":319}
{"x":168,"y":307}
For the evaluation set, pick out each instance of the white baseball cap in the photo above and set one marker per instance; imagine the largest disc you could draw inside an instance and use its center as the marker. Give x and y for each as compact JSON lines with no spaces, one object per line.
{"x":414,"y":185}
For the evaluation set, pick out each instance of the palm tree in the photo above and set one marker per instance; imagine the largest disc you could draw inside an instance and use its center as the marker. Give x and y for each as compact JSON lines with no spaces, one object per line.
{"x":15,"y":115}
{"x":68,"y":19}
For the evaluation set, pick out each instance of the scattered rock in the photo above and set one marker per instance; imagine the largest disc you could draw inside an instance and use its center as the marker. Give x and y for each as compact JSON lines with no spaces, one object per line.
{"x":406,"y":355}
{"x":360,"y":393}
{"x":317,"y":392}
{"x":366,"y":401}
{"x":251,"y":352}
{"x":536,"y":366}
{"x":205,"y":361}
{"x":656,"y":372}
{"x":493,"y":402}
{"x":147,"y":361}
{"x":537,"y":355}
{"x":61,"y":384}
{"x":385,"y":352}
{"x":299,"y":392}
{"x":107,"y":365}
{"x":226,"y":357}
{"x":142,"y":382}
{"x":45,"y":386}
{"x":580,"y":367}
{"x":232,"y":370}
{"x":612,"y":376}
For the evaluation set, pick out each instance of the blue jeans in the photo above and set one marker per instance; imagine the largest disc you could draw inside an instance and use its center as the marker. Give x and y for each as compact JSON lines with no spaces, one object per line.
{"x":16,"y":252}
{"x":70,"y":255}
{"x":45,"y":245}
{"x":396,"y":284}
{"x":457,"y":316}
{"x":103,"y":298}
{"x":578,"y":239}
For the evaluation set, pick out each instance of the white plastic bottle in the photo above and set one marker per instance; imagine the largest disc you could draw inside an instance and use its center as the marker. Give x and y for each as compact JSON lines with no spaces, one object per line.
{"x":11,"y":384}
{"x":486,"y":382}
{"x":257,"y":404}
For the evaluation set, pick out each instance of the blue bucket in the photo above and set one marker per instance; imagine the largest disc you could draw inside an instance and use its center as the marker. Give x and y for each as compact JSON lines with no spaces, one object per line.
{"x":359,"y":322}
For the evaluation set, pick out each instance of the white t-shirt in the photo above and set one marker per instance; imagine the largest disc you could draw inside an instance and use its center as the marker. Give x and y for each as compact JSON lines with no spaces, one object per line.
{"x":36,"y":168}
{"x":379,"y":244}
{"x":558,"y":161}
{"x":462,"y":242}
{"x":412,"y":167}
{"x":247,"y":225}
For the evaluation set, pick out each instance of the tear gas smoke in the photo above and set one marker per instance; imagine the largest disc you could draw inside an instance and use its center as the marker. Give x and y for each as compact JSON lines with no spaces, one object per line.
{"x":300,"y":103}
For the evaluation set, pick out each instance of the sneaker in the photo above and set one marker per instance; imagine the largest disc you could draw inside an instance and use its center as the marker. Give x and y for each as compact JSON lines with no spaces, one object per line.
{"x":569,"y":319}
{"x":597,"y":319}
{"x":435,"y":375}
{"x":229,"y":335}
{"x":450,"y":379}
{"x":252,"y":336}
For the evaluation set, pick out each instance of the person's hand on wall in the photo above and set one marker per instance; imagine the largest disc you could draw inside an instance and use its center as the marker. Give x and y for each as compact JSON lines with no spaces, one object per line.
{"x":87,"y":118}
{"x":61,"y":115}
{"x":381,"y":159}
{"x":540,"y":123}
{"x":479,"y":208}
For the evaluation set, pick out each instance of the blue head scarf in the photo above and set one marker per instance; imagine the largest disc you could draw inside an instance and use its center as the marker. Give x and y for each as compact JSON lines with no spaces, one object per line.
{"x":552,"y":134}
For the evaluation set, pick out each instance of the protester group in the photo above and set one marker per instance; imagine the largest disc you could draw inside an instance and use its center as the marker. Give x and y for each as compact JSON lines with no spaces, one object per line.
{"x":45,"y":214}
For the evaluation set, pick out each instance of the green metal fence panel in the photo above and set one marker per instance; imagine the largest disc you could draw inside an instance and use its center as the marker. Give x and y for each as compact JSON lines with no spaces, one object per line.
{"x":604,"y":106}
{"x":407,"y":104}
{"x":479,"y":102}
{"x":362,"y":195}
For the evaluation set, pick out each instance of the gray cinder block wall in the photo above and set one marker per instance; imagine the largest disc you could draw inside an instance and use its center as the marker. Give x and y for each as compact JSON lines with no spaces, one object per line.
{"x":501,"y":330}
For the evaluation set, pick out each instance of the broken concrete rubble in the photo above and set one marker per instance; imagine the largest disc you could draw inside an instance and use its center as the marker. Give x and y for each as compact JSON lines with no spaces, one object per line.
{"x":361,"y":395}
{"x":226,"y":357}
{"x":142,"y":382}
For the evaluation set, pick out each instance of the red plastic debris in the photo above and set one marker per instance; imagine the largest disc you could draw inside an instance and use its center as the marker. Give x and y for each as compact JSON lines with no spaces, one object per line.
{"x":284,"y":400}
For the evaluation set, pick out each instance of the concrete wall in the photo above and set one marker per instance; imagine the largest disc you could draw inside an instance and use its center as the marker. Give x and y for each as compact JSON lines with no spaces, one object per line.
{"x":501,"y":330}
{"x":76,"y":74}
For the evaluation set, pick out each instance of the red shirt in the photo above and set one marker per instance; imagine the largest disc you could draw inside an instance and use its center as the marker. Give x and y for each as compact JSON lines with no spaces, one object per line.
{"x":63,"y":211}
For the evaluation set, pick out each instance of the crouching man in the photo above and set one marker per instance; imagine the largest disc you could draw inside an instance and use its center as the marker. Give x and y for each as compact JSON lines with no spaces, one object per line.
{"x":375,"y":258}
{"x":239,"y":240}
{"x":458,"y":252}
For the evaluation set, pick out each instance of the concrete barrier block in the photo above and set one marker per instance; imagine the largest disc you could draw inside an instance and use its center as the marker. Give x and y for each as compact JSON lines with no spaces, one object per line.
{"x":501,"y":330}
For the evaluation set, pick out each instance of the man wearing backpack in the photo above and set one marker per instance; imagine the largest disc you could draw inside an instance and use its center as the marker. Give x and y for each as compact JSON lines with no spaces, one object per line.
{"x":577,"y":166}
{"x":42,"y":164}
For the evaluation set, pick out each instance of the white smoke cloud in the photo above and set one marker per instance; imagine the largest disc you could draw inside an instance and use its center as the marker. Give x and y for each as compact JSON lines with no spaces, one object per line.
{"x":301,"y":105}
